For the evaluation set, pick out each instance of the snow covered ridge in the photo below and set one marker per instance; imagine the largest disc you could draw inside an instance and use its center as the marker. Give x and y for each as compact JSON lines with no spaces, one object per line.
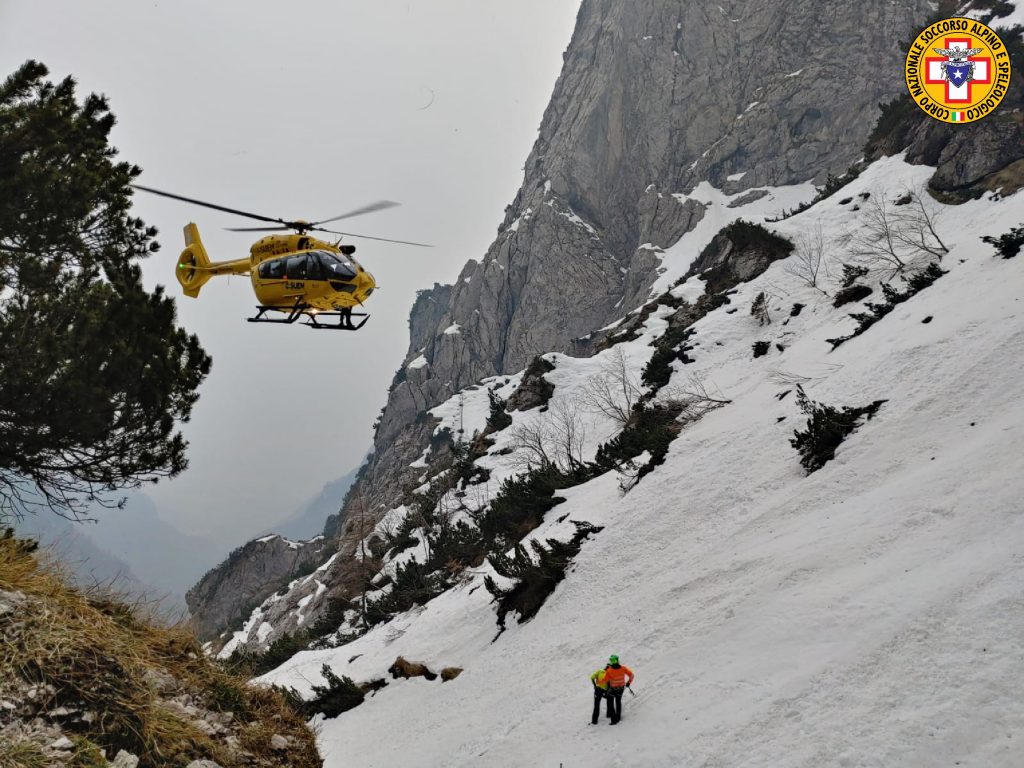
{"x":865,"y":614}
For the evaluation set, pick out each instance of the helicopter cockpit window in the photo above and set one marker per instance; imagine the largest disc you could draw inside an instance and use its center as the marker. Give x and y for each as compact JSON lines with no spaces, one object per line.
{"x":273,"y":269}
{"x":336,"y":266}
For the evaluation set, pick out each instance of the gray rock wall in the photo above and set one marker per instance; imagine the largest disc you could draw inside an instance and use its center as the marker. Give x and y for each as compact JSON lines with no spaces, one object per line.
{"x":654,"y":97}
{"x":227,"y":594}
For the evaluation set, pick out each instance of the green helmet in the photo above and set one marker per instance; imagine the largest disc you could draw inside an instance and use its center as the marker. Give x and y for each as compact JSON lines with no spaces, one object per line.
{"x":613,"y":659}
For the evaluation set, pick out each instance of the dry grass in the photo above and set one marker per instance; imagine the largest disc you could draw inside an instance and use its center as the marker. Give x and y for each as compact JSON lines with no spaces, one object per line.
{"x":22,"y":754}
{"x":95,"y":654}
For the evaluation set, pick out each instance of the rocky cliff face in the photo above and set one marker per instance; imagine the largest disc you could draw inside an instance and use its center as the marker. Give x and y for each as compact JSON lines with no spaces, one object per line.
{"x":655,"y":96}
{"x":227,"y":594}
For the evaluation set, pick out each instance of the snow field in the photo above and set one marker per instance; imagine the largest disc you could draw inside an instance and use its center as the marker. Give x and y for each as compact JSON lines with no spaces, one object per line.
{"x":867,"y":615}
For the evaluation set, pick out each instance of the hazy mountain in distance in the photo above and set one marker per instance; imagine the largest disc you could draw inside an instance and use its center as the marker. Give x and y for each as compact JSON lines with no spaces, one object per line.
{"x":309,"y":520}
{"x":69,"y":544}
{"x":157,"y":552}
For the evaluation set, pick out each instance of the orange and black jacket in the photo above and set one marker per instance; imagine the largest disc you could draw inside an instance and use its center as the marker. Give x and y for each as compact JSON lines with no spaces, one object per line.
{"x":618,"y":675}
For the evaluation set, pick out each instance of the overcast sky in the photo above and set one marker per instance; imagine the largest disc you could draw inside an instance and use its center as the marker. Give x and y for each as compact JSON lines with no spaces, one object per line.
{"x":304,"y":110}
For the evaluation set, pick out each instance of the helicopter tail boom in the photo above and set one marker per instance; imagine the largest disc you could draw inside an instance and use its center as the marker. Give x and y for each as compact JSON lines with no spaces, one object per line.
{"x":195,"y":267}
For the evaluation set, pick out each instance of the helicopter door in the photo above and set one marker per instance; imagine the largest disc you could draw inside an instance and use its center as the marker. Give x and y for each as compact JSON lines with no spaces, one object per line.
{"x":296,"y":269}
{"x":314,"y":271}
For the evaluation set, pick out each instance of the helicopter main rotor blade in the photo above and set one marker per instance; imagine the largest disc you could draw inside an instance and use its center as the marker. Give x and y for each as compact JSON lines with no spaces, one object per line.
{"x":257,"y":229}
{"x":369,"y":237}
{"x":208,"y":205}
{"x":380,"y":205}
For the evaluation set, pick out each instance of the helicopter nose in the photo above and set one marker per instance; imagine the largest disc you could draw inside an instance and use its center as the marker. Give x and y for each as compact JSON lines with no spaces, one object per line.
{"x":367,"y":283}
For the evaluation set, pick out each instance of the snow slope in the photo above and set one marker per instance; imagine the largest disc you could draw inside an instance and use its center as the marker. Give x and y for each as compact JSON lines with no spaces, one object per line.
{"x":870,"y":614}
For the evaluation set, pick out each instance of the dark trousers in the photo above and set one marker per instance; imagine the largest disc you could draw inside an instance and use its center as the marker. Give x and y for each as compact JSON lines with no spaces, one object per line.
{"x":615,"y":704}
{"x":598,"y":695}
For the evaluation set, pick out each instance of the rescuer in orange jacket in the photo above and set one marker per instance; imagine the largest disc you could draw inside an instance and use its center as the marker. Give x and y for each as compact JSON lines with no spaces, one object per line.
{"x":618,"y":677}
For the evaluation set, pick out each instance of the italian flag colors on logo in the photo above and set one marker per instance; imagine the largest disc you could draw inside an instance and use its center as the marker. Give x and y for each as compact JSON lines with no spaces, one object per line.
{"x":956,"y":117}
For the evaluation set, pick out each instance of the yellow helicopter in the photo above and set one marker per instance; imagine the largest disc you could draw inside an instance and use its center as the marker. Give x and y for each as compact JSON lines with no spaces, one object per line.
{"x":294,"y":274}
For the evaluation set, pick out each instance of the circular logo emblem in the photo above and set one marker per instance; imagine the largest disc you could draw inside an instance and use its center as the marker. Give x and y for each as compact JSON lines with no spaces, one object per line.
{"x":958,"y":70}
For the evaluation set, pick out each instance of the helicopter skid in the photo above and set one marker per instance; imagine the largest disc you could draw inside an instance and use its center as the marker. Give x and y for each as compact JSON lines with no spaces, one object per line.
{"x":294,"y":313}
{"x":344,"y":321}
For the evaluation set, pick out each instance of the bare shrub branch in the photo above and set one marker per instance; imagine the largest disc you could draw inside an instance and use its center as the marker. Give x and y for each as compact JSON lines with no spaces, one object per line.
{"x":693,"y":398}
{"x":893,"y":238}
{"x":788,"y":378}
{"x":555,"y":440}
{"x":917,"y":219}
{"x":531,"y":445}
{"x":873,"y":243}
{"x":808,"y":261}
{"x":615,"y":390}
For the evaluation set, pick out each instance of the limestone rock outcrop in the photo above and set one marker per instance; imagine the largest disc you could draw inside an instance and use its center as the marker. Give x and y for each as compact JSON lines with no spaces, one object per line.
{"x":655,"y":97}
{"x":227,"y":594}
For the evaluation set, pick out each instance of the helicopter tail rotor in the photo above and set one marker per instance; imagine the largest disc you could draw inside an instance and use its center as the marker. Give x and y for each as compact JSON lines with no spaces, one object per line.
{"x":193,"y":264}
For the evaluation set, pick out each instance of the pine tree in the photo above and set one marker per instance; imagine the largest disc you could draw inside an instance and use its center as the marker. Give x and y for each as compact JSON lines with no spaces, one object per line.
{"x":827,"y":427}
{"x":759,"y":309}
{"x":94,"y":371}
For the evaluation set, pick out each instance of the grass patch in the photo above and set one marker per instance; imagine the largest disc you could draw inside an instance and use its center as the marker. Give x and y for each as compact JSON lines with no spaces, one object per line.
{"x":93,"y":653}
{"x":22,"y":754}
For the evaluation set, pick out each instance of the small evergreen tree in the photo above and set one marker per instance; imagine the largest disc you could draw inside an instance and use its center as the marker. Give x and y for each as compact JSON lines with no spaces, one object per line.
{"x":535,"y":579}
{"x":521,"y":504}
{"x":94,"y":371}
{"x":1008,"y":245}
{"x":876,"y":311}
{"x":827,"y":427}
{"x":759,"y":309}
{"x":670,"y":346}
{"x":414,"y":584}
{"x":329,"y":621}
{"x":455,"y":547}
{"x":497,"y":417}
{"x":339,"y":695}
{"x":652,"y":429}
{"x":851,"y":274}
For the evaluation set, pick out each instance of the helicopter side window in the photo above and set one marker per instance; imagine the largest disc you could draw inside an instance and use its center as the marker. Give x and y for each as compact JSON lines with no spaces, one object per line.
{"x":273,"y":269}
{"x":296,"y":269}
{"x":314,"y":270}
